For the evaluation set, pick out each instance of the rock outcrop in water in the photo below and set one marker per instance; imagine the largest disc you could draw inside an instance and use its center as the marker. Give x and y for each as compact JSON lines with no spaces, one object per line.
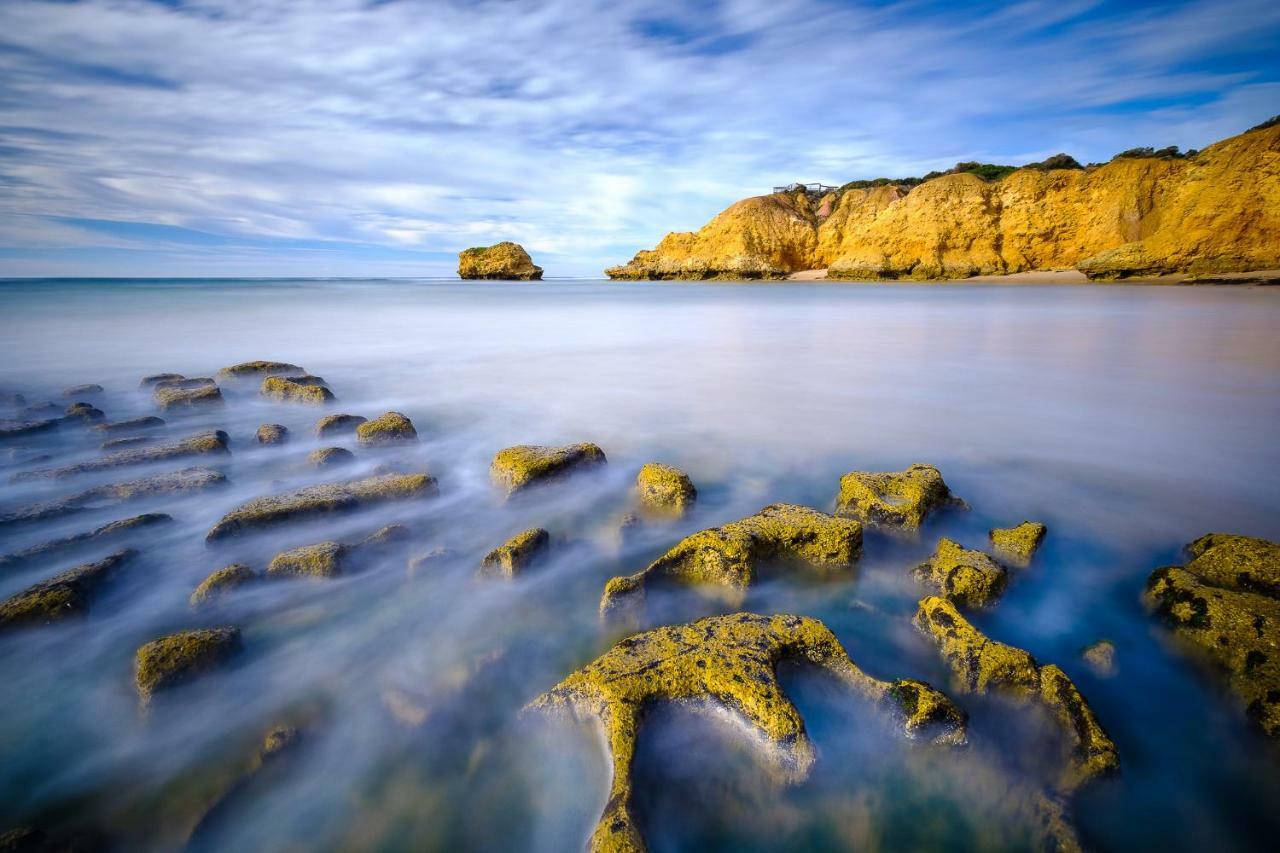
{"x":505,"y":261}
{"x":309,"y":390}
{"x":81,"y":541}
{"x":391,"y":428}
{"x":1017,"y":545}
{"x":894,"y":499}
{"x":524,"y":466}
{"x":1215,"y":212}
{"x":201,"y":444}
{"x":255,"y":371}
{"x":726,"y":560}
{"x":664,"y":491}
{"x":516,"y":554}
{"x":967,"y":577}
{"x":1225,"y":605}
{"x":176,"y":659}
{"x":221,"y":582}
{"x":730,"y":661}
{"x":186,"y":480}
{"x":64,"y":596}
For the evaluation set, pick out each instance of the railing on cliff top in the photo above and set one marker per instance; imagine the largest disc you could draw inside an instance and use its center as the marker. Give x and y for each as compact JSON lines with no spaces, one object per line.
{"x":821,"y":189}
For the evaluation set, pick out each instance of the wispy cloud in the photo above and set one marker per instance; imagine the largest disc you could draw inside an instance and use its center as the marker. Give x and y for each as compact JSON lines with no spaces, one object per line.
{"x":347,"y":137}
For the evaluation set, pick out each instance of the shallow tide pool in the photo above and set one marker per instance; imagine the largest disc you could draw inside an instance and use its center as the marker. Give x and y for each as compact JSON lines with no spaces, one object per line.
{"x":1129,"y":419}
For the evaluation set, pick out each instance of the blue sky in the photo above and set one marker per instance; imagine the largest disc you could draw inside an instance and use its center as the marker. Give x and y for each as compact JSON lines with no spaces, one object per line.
{"x":349,"y":137}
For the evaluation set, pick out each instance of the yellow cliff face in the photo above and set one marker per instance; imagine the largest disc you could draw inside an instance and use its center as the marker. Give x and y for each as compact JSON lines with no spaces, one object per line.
{"x":1216,"y":212}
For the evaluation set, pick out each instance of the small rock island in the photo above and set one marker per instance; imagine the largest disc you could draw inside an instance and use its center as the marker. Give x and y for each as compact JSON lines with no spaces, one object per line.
{"x":505,"y":260}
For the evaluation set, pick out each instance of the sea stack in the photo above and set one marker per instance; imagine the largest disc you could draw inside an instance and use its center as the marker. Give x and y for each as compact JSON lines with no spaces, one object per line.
{"x":504,"y":260}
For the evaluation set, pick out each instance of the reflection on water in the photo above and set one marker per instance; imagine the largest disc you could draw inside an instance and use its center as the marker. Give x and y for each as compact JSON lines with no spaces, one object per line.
{"x":1129,"y":419}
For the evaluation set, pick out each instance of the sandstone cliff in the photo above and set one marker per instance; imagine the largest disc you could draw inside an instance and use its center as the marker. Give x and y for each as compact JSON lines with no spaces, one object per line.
{"x":504,"y":260}
{"x":1217,"y":211}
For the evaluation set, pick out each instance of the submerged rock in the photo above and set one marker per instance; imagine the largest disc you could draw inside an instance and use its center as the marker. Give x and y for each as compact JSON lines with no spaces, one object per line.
{"x":1017,"y":545}
{"x":900,"y":499}
{"x":176,"y":659}
{"x":83,"y":412}
{"x":132,"y":425}
{"x":967,"y":577}
{"x":526,"y":465}
{"x":981,"y":665}
{"x":505,"y":260}
{"x":423,"y":565}
{"x":727,"y":559}
{"x":729,"y":661}
{"x":296,"y":389}
{"x":157,"y":378}
{"x":391,"y":428}
{"x":516,"y":554}
{"x":1225,"y":605}
{"x":221,"y":582}
{"x":338,"y":425}
{"x":255,"y":371}
{"x":65,"y":595}
{"x":332,"y":559}
{"x":664,"y":490}
{"x":330,"y":457}
{"x":205,"y":443}
{"x":171,"y":397}
{"x":188,"y":479}
{"x":273,"y":434}
{"x":77,"y":391}
{"x":315,"y":501}
{"x":24,"y":428}
{"x":12,"y":400}
{"x":81,"y":540}
{"x":1101,"y":658}
{"x":128,"y":441}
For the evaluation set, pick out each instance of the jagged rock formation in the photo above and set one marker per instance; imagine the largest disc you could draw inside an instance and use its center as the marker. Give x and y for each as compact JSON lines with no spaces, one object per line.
{"x":505,"y":261}
{"x":1215,"y":212}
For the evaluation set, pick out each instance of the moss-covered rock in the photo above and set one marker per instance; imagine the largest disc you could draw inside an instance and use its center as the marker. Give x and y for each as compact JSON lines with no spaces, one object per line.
{"x":330,"y":457}
{"x":516,"y":554}
{"x":505,"y":260}
{"x":317,"y":501}
{"x":201,"y":444}
{"x":730,"y":661}
{"x":296,"y":389}
{"x":390,"y":428}
{"x":23,"y":428}
{"x":896,"y":499}
{"x":176,"y":659}
{"x":726,"y":560}
{"x":221,"y":582}
{"x":173,"y":397}
{"x":65,"y":595}
{"x":338,"y":425}
{"x":1223,"y":608}
{"x":75,"y":392}
{"x":154,"y":379}
{"x":79,"y":541}
{"x":128,"y":441}
{"x":1101,"y":658}
{"x":981,"y":665}
{"x":130,"y":426}
{"x":273,"y":434}
{"x":255,"y":371}
{"x":967,"y":577}
{"x":665,"y":491}
{"x":188,"y":479}
{"x":1017,"y":545}
{"x":332,"y":559}
{"x":527,"y":465}
{"x":85,"y":413}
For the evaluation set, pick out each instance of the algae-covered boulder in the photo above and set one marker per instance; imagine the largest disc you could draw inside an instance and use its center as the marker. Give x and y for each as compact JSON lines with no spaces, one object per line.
{"x":731,"y":662}
{"x":255,"y":371}
{"x":201,"y":444}
{"x":174,"y":397}
{"x":317,"y":501}
{"x":516,"y":554}
{"x":338,"y":425}
{"x":330,"y":457}
{"x":1224,"y":607}
{"x":332,"y":559}
{"x":176,"y":659}
{"x":128,"y":441}
{"x":65,"y":595}
{"x":273,"y":434}
{"x":154,"y":379}
{"x":665,"y":491}
{"x":23,"y":428}
{"x":221,"y":582}
{"x":130,"y":426}
{"x":981,"y":665}
{"x":967,"y":577}
{"x":896,"y":499}
{"x":391,"y":428}
{"x":75,"y":392}
{"x":188,"y":479}
{"x":505,"y":260}
{"x":296,"y":389}
{"x":83,"y":413}
{"x":526,"y":465}
{"x":1101,"y":658}
{"x":1017,"y":545}
{"x":80,"y":541}
{"x":726,"y":560}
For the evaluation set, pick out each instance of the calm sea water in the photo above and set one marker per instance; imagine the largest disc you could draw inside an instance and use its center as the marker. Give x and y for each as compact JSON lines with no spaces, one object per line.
{"x":1129,"y":419}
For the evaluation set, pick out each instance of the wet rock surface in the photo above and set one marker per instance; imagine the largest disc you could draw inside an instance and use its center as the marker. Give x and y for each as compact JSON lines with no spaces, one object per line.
{"x":272,"y":434}
{"x":665,"y":491}
{"x":894,"y":499}
{"x":101,"y":497}
{"x":308,"y":390}
{"x":331,"y":425}
{"x":79,"y":541}
{"x":1017,"y":545}
{"x":66,"y":595}
{"x":172,"y":397}
{"x":330,"y":457}
{"x":332,"y":559}
{"x":967,"y":577}
{"x":220,"y":582}
{"x":206,"y":443}
{"x":730,"y":661}
{"x":524,"y":466}
{"x":516,"y":554}
{"x":255,"y":371}
{"x":176,"y":659}
{"x":391,"y":428}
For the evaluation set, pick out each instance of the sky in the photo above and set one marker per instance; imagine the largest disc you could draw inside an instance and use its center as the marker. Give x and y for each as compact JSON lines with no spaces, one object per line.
{"x":381,"y":137}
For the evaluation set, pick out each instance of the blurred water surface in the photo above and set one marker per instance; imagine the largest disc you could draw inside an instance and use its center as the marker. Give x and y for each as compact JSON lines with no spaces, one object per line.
{"x":1129,"y":419}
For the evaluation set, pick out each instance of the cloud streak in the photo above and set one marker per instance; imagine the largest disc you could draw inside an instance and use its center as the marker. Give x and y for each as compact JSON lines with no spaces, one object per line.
{"x":336,"y":137}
